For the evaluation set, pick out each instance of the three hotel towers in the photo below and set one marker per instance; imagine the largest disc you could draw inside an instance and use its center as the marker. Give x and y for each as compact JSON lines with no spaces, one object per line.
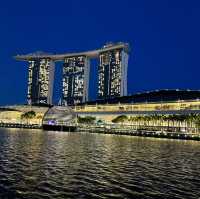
{"x":112,"y":74}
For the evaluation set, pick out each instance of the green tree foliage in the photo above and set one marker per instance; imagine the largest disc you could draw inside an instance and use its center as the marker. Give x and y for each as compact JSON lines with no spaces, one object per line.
{"x":28,"y":115}
{"x":188,"y":119}
{"x":86,"y":120}
{"x":120,"y":118}
{"x":197,"y":121}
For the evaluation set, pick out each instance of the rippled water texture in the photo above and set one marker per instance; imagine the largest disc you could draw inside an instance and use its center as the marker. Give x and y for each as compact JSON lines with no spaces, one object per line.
{"x":38,"y":164}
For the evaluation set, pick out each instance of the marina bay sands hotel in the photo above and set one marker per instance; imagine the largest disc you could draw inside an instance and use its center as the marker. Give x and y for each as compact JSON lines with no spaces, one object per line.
{"x":112,"y":74}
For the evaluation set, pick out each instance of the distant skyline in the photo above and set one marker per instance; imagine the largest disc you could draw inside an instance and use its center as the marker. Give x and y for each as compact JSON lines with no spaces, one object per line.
{"x":163,"y":36}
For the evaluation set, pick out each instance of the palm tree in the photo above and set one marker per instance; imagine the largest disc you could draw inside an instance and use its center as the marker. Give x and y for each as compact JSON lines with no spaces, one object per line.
{"x":197,"y":123}
{"x":166,"y":118}
{"x":120,"y":119}
{"x":28,"y":115}
{"x":23,"y":116}
{"x":86,"y":120}
{"x":40,"y":117}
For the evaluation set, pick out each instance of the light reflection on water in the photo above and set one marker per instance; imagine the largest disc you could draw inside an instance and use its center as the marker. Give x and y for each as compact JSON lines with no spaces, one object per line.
{"x":38,"y":164}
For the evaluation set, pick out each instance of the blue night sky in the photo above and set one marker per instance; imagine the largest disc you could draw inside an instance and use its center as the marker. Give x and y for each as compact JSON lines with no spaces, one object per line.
{"x":164,"y":36}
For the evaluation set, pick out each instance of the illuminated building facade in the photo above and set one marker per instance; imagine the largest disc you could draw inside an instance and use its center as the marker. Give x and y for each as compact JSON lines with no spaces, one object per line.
{"x":161,"y":102}
{"x":40,"y":81}
{"x":75,"y":80}
{"x":112,"y":72}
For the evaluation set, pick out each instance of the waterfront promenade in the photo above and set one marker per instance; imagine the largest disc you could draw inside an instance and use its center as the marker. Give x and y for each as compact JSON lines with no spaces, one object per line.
{"x":131,"y":130}
{"x":57,"y":118}
{"x":144,"y":131}
{"x":20,"y":125}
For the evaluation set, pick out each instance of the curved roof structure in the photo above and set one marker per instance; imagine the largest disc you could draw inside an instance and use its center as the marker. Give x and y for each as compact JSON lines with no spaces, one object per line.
{"x":60,"y":57}
{"x":58,"y":115}
{"x":153,"y":96}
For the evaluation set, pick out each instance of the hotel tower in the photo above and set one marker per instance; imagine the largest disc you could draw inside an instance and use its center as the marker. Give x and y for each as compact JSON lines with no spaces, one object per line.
{"x":75,"y":80}
{"x":40,"y":78}
{"x":112,"y":71}
{"x":40,"y":81}
{"x":112,"y":74}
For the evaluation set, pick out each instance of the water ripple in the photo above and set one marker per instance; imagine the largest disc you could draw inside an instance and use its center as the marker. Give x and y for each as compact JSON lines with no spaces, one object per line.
{"x":36,"y":164}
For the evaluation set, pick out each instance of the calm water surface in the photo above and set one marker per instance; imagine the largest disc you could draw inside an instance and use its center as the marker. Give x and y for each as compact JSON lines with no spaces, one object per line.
{"x":37,"y":164}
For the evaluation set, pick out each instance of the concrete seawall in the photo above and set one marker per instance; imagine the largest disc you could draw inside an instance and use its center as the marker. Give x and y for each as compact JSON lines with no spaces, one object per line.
{"x":143,"y":133}
{"x":106,"y":130}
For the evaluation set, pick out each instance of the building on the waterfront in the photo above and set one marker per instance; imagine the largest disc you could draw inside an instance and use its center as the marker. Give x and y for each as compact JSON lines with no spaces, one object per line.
{"x":148,"y":97}
{"x":57,"y":117}
{"x":40,"y":77}
{"x":159,"y":102}
{"x":112,"y":71}
{"x":75,"y":80}
{"x":40,"y":81}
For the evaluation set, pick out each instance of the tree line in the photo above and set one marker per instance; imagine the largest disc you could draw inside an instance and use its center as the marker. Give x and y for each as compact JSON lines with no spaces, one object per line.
{"x":189,"y":120}
{"x":30,"y":115}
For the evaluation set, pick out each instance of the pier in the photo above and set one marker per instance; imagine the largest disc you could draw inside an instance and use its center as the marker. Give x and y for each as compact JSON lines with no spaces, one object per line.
{"x":144,"y":131}
{"x":18,"y":125}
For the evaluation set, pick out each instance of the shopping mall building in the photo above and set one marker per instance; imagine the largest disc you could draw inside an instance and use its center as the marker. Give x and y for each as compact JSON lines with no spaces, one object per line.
{"x":151,"y":102}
